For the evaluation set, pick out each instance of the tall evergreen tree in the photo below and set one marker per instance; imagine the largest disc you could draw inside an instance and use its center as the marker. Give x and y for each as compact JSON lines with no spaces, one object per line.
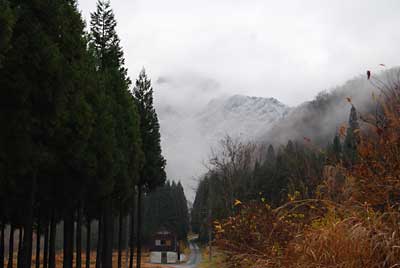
{"x":152,"y":174}
{"x":352,"y":138}
{"x":102,"y":31}
{"x":270,"y":155}
{"x":119,"y":118}
{"x":334,"y":150}
{"x":183,"y":212}
{"x":337,"y":146}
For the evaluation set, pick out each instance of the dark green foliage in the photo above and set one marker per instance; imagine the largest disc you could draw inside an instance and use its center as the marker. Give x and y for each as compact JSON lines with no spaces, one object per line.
{"x":183,"y":212}
{"x":71,"y":140}
{"x":352,"y":138}
{"x":270,"y":159}
{"x":208,"y":196}
{"x":295,"y":168}
{"x":42,"y":97}
{"x":337,"y":146}
{"x":166,"y":207}
{"x":7,"y":20}
{"x":152,"y":173}
{"x":335,"y":151}
{"x":117,"y":135}
{"x":117,"y":140}
{"x":104,"y":37}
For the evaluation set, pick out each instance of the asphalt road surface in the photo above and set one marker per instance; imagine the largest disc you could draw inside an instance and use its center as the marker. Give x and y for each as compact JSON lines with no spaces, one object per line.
{"x":194,"y":258}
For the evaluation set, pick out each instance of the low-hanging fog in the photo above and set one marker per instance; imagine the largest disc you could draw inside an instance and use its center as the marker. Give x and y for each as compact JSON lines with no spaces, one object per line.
{"x":195,"y":51}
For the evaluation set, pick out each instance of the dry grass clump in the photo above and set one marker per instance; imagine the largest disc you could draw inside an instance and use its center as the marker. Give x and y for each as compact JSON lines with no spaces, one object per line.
{"x":349,"y":243}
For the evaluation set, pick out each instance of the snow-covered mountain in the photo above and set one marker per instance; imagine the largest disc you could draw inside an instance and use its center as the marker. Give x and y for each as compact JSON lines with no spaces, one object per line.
{"x":239,"y":116}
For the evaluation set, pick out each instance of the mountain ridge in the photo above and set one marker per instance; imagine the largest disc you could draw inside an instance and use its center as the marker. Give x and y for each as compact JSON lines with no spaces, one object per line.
{"x":239,"y":115}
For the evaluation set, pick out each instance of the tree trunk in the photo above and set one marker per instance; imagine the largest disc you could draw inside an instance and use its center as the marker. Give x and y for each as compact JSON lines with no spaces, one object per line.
{"x":107,"y":235}
{"x":68,"y":239}
{"x":26,"y":256}
{"x":127,"y":235}
{"x":88,"y":246}
{"x":11,"y":247}
{"x":52,"y":241}
{"x":120,"y":226}
{"x":46,"y":244}
{"x":19,"y":255}
{"x":132,"y":234}
{"x":2,"y":246}
{"x":79,"y":238}
{"x":99,"y":243}
{"x":139,"y":228}
{"x":37,"y":260}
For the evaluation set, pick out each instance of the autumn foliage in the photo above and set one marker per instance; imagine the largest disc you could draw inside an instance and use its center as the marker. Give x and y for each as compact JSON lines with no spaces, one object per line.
{"x":359,"y":227}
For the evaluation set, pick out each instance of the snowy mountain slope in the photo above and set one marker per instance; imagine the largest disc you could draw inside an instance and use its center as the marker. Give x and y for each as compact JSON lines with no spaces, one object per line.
{"x":239,"y":116}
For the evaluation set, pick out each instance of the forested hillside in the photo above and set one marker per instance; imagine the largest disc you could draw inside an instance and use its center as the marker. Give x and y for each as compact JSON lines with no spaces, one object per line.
{"x":290,"y":157}
{"x":305,"y":205}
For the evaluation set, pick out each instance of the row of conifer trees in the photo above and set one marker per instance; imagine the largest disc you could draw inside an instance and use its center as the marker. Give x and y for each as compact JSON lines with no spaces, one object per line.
{"x":77,"y":144}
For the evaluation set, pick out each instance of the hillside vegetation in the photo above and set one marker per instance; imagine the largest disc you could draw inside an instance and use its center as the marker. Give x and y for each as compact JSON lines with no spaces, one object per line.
{"x":306,"y":206}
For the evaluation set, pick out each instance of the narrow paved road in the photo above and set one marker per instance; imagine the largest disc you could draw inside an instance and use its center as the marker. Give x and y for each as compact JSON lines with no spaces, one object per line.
{"x":194,"y":259}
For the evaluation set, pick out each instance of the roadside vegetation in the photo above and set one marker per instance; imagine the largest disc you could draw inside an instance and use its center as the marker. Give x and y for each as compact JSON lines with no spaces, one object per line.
{"x":334,"y":207}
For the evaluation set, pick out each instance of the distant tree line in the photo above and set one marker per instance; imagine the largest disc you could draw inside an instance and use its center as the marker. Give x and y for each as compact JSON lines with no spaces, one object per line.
{"x":243,"y":172}
{"x":166,"y":207}
{"x":77,"y":144}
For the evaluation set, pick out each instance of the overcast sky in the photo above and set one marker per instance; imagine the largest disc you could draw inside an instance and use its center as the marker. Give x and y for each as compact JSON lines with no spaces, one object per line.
{"x":285,"y":49}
